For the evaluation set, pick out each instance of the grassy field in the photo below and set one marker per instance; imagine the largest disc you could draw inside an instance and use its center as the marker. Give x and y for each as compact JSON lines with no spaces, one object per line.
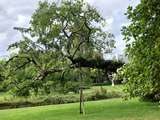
{"x":112,"y":109}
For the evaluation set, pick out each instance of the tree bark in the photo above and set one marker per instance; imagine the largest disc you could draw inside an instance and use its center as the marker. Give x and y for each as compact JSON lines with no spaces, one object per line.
{"x":81,"y":101}
{"x":81,"y":107}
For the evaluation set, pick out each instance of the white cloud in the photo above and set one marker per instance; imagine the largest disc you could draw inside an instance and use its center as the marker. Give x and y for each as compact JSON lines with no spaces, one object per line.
{"x":110,"y":20}
{"x":23,"y":21}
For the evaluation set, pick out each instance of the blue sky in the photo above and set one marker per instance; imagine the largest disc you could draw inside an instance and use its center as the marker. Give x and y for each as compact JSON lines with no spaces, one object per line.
{"x":18,"y":12}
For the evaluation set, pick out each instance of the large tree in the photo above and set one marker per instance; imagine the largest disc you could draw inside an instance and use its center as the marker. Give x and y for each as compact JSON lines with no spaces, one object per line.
{"x":69,"y":35}
{"x":61,"y":37}
{"x":142,"y":38}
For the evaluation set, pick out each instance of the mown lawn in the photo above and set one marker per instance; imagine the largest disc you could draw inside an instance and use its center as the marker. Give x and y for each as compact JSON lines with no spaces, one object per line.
{"x":113,"y":109}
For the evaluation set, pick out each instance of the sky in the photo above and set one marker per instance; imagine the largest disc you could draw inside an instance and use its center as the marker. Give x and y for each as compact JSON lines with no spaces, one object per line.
{"x":17,"y":13}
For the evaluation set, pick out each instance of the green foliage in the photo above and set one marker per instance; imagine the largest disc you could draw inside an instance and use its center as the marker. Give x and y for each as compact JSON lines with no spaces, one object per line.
{"x":2,"y":75}
{"x":100,"y":93}
{"x":90,"y":94}
{"x":57,"y":34}
{"x":71,"y":87}
{"x":142,"y":38}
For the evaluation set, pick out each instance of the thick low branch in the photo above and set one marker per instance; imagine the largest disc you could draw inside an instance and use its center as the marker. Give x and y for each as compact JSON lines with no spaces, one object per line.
{"x":44,"y":73}
{"x":107,"y":65}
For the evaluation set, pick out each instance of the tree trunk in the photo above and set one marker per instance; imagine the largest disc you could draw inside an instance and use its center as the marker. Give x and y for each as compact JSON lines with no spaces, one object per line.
{"x":81,"y":101}
{"x":81,"y":107}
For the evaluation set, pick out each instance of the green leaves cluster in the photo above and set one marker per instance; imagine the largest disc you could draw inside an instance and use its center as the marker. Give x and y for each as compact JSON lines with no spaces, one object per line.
{"x":142,"y":38}
{"x":56,"y":36}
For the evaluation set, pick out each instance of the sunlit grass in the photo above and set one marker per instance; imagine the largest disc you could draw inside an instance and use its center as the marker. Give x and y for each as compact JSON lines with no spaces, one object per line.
{"x":113,"y":109}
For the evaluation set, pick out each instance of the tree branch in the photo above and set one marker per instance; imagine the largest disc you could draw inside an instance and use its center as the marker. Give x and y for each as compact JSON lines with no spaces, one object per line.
{"x":107,"y":65}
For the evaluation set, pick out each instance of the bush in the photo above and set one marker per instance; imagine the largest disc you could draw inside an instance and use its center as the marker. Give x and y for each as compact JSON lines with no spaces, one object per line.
{"x":97,"y":94}
{"x":71,"y":87}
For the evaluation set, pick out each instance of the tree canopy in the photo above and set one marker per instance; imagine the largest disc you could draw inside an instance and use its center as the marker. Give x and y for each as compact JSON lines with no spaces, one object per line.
{"x":142,"y":38}
{"x":60,"y":38}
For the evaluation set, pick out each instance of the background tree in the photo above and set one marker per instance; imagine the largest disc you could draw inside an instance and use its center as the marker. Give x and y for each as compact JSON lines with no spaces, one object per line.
{"x":142,"y":38}
{"x":2,"y":76}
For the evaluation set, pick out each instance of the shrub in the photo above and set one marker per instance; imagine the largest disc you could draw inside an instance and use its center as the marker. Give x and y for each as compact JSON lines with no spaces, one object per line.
{"x":71,"y":86}
{"x":99,"y":94}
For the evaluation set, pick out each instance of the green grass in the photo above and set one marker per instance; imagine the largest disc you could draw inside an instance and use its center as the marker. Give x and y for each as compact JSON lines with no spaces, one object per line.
{"x":113,"y":109}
